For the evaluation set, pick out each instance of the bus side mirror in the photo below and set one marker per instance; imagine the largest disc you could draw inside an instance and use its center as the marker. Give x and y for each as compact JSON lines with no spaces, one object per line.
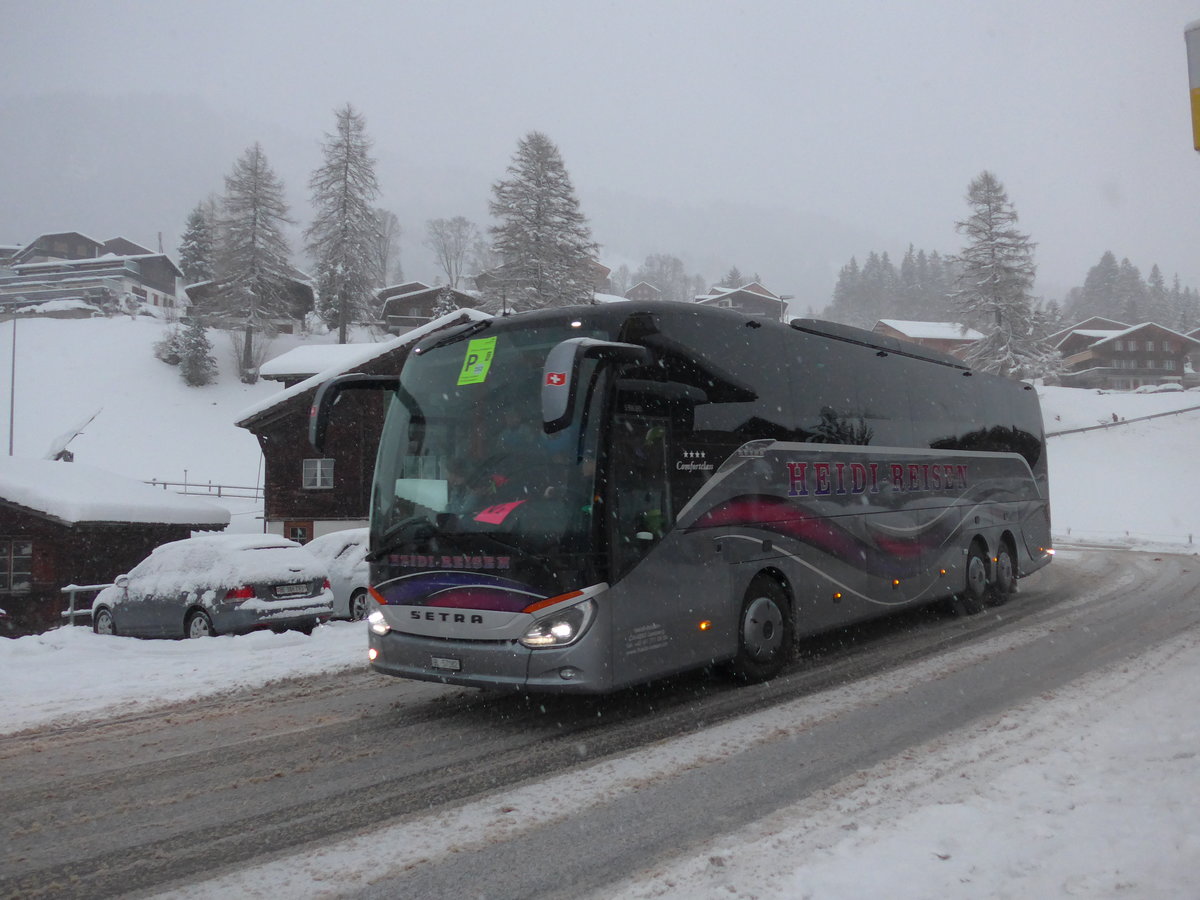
{"x":560,"y":375}
{"x":328,"y":393}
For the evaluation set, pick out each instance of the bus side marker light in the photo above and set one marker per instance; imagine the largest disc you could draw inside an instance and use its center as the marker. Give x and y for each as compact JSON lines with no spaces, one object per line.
{"x":837,"y":596}
{"x":943,"y":571}
{"x":895,"y":582}
{"x":705,"y":625}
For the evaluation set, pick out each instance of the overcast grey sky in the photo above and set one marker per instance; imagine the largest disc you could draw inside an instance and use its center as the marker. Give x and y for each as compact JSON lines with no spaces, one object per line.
{"x":874,"y":116}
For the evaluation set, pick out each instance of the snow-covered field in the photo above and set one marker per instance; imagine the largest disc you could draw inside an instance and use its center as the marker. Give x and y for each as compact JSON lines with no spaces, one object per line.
{"x":1085,"y":793}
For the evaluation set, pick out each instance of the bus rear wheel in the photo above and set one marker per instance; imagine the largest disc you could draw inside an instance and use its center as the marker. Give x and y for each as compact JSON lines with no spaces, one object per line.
{"x":765,"y":633}
{"x":1004,"y":584}
{"x":972,"y":596}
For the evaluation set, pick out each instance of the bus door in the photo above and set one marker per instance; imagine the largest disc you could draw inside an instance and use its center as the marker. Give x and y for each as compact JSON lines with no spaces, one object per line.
{"x":665,"y":582}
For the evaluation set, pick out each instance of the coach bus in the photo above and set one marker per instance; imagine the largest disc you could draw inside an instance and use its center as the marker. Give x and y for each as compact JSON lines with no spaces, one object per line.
{"x":585,"y":498}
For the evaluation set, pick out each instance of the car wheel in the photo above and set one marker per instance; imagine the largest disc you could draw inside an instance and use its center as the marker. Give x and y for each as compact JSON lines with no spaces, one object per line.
{"x":1004,"y":585}
{"x":102,"y":622}
{"x":358,"y":605}
{"x":765,"y":633}
{"x":972,"y":596}
{"x":199,"y":625}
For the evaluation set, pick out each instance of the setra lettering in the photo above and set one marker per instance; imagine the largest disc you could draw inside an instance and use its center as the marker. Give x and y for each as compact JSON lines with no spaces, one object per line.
{"x":453,"y":618}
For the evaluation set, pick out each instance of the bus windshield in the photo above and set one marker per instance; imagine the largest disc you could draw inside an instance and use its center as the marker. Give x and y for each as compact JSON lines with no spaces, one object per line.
{"x":466,"y":476}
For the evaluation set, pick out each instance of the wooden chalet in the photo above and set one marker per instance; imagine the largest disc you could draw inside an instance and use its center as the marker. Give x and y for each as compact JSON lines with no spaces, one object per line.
{"x":643,"y":292}
{"x":301,"y":300}
{"x":306,"y":496}
{"x":64,"y":523}
{"x":73,"y":266}
{"x":404,"y":307}
{"x":1122,"y":359}
{"x":750,"y":299}
{"x":948,"y":337}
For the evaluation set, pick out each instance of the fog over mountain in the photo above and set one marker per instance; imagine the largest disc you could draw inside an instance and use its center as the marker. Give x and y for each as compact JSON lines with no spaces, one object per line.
{"x":782,"y":138}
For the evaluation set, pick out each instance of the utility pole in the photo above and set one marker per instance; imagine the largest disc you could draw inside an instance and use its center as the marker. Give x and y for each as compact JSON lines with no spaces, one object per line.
{"x":12,"y":387}
{"x":1191,"y":37}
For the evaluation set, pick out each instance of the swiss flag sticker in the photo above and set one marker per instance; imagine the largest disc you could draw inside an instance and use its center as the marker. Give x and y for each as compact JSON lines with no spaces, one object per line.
{"x":556,"y":379}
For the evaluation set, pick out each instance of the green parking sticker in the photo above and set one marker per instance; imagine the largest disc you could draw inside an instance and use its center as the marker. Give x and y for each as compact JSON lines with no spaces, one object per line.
{"x":479,"y":359}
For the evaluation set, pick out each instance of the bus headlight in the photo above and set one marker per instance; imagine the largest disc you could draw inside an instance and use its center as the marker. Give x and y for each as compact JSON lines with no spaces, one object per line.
{"x":377,"y":623}
{"x":560,"y":628}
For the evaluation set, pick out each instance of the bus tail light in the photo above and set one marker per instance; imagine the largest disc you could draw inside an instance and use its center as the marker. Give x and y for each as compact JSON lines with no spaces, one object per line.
{"x":560,"y":628}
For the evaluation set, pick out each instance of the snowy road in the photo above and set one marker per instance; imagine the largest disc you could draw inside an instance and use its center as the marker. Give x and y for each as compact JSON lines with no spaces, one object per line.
{"x":457,"y":790}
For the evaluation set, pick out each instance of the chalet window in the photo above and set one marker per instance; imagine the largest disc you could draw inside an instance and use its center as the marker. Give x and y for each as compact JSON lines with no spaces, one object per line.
{"x":1169,"y":365}
{"x":1131,"y":345}
{"x":1150,"y":346}
{"x":318,"y":474}
{"x":298,"y":533}
{"x":16,"y":566}
{"x":1120,"y":345}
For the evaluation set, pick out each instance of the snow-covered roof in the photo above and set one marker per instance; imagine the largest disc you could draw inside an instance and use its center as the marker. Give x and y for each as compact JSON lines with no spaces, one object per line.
{"x":89,"y":261}
{"x":933,"y":331}
{"x":1098,"y":332}
{"x":1113,"y":335}
{"x":309,"y":359}
{"x":367,"y":352}
{"x":74,"y":493}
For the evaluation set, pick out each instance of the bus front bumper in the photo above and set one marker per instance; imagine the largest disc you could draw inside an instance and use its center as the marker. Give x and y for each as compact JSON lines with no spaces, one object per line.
{"x":497,"y":665}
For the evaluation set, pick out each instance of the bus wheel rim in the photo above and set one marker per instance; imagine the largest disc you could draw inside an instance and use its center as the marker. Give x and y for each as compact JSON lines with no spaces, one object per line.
{"x":762,"y":628}
{"x":976,"y":575}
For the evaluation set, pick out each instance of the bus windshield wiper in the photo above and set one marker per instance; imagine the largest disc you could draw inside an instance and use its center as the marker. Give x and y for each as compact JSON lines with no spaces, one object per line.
{"x":473,"y":328}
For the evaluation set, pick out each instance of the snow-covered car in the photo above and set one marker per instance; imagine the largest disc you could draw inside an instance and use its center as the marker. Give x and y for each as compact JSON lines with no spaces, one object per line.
{"x":343,"y":553}
{"x":219,"y":584}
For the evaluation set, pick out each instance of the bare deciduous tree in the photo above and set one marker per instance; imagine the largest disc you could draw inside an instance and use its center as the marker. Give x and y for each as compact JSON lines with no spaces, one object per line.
{"x":451,"y":241}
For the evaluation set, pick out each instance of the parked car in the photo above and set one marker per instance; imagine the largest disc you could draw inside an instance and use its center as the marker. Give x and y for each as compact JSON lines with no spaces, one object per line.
{"x":219,"y":584}
{"x":343,"y":553}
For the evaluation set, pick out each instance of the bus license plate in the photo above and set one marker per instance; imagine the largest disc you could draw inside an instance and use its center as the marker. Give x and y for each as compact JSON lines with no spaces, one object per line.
{"x":442,"y":662}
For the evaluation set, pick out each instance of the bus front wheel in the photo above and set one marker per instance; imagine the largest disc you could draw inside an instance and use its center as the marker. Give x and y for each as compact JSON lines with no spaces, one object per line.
{"x":765,"y":633}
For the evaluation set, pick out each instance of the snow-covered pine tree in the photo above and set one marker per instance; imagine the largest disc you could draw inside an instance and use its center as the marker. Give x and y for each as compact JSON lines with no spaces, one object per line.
{"x":543,"y":240}
{"x":994,"y":286}
{"x":733,"y":278}
{"x":444,"y":305}
{"x":344,"y":235}
{"x":197,"y":365}
{"x":1158,"y":302}
{"x":1098,"y":296}
{"x":451,"y":241}
{"x":198,"y":245}
{"x":252,"y":265}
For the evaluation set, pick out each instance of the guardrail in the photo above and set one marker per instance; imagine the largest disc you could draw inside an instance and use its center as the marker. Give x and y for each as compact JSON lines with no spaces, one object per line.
{"x":71,"y":590}
{"x":1173,"y":412}
{"x":208,"y":489}
{"x":1124,"y":538}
